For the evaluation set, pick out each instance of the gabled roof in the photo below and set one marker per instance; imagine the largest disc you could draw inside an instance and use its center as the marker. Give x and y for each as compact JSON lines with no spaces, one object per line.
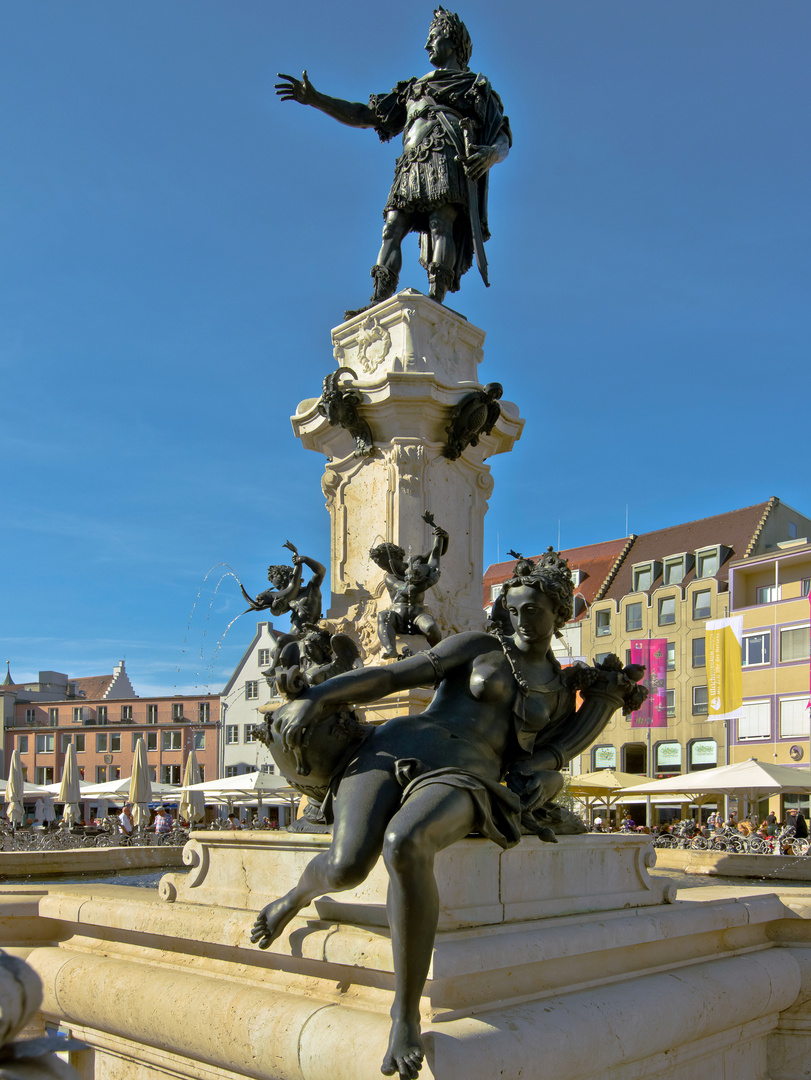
{"x":275,"y":634}
{"x":737,"y":530}
{"x":594,"y":561}
{"x":93,"y":686}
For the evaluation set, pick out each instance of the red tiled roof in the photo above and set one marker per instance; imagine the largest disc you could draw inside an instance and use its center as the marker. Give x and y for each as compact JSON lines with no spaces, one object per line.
{"x":594,"y":561}
{"x":93,"y":686}
{"x":735,"y":529}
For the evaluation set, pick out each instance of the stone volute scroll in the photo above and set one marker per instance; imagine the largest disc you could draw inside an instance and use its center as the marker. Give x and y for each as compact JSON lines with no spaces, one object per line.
{"x":339,"y":404}
{"x":454,"y":130}
{"x":476,"y":414}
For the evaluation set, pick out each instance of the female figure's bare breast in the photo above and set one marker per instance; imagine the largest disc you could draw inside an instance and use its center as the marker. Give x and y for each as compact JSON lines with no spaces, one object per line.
{"x":466,"y":726}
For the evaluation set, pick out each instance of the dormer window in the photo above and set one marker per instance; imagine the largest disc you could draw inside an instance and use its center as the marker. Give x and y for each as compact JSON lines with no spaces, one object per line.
{"x":675,"y":569}
{"x":576,"y":578}
{"x":707,"y":563}
{"x":644,"y":576}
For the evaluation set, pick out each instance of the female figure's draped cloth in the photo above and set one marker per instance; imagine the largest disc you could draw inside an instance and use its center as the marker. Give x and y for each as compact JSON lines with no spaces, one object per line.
{"x":429,"y":175}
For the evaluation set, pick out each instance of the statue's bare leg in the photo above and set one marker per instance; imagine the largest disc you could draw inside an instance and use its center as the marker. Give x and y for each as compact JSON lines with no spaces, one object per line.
{"x":395,"y":228}
{"x":387,"y":633}
{"x":433,"y":818}
{"x":427,"y":626}
{"x":363,"y":806}
{"x":443,"y":251}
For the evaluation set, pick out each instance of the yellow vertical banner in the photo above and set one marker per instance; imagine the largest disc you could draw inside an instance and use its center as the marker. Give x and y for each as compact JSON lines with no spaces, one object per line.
{"x":724,"y":683}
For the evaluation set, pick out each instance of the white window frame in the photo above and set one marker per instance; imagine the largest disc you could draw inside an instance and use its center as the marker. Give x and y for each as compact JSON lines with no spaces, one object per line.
{"x":768,"y":594}
{"x":251,"y":689}
{"x":126,"y":712}
{"x":767,"y":634}
{"x":602,"y":631}
{"x":53,"y":715}
{"x":203,"y":712}
{"x":79,"y":742}
{"x":152,"y":714}
{"x":697,"y":705}
{"x":696,"y":609}
{"x":666,"y":621}
{"x":171,"y":741}
{"x":263,"y":657}
{"x":671,"y":651}
{"x":670,"y":700}
{"x":748,"y":719}
{"x":232,"y":734}
{"x":628,"y":607}
{"x":677,"y":563}
{"x":151,"y":737}
{"x":177,"y":710}
{"x":790,"y":629}
{"x":799,"y":721}
{"x":115,"y":738}
{"x":704,"y":553}
{"x":30,"y":716}
{"x":101,"y":742}
{"x":638,"y":571}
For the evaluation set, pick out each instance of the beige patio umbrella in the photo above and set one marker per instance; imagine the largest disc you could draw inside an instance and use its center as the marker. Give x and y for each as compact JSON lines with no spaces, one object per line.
{"x":601,"y":788}
{"x":69,"y":790}
{"x":140,"y":787}
{"x":192,"y":803}
{"x":15,"y":790}
{"x":752,"y":780}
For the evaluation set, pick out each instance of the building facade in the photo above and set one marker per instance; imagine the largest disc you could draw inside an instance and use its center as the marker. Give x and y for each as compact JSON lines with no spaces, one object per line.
{"x":104,"y":730}
{"x":592,"y":566}
{"x":666,"y":585}
{"x":243,"y":694}
{"x":669,"y":584}
{"x":771,"y":592}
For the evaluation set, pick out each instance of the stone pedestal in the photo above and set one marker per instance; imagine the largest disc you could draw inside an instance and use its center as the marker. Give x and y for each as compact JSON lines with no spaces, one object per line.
{"x":554,"y":962}
{"x":413,"y":360}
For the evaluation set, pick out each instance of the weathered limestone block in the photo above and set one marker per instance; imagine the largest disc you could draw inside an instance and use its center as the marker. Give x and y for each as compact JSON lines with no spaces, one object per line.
{"x":479,"y":884}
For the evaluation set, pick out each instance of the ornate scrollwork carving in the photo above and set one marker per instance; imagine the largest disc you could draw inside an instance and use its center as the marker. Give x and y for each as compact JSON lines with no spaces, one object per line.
{"x":408,"y":461}
{"x":374,"y":343}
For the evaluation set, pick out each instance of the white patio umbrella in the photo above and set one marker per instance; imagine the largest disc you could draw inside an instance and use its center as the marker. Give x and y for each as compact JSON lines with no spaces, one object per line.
{"x":751,"y":779}
{"x":253,"y":785}
{"x":15,"y":790}
{"x":140,"y":787}
{"x":69,"y":790}
{"x":118,"y":791}
{"x":192,"y":803}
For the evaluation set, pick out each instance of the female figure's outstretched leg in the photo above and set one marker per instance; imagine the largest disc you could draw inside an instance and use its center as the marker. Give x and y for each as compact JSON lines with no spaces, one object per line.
{"x":433,"y":818}
{"x":364,"y":804}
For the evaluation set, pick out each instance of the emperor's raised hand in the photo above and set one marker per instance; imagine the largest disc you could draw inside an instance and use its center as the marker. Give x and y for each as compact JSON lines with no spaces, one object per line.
{"x":300,"y":90}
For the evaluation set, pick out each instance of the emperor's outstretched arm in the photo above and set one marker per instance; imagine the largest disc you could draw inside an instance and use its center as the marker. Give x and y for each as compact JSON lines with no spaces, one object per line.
{"x":352,"y":113}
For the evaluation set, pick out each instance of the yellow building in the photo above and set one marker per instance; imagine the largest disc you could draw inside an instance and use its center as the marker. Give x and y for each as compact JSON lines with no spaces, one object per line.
{"x":667,"y":585}
{"x":771,"y":592}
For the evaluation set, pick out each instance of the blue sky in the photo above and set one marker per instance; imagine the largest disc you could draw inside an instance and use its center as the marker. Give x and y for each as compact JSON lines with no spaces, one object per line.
{"x":175,"y":245}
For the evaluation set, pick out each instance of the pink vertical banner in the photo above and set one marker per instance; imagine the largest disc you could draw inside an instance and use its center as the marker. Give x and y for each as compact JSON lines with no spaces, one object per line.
{"x":652,"y":654}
